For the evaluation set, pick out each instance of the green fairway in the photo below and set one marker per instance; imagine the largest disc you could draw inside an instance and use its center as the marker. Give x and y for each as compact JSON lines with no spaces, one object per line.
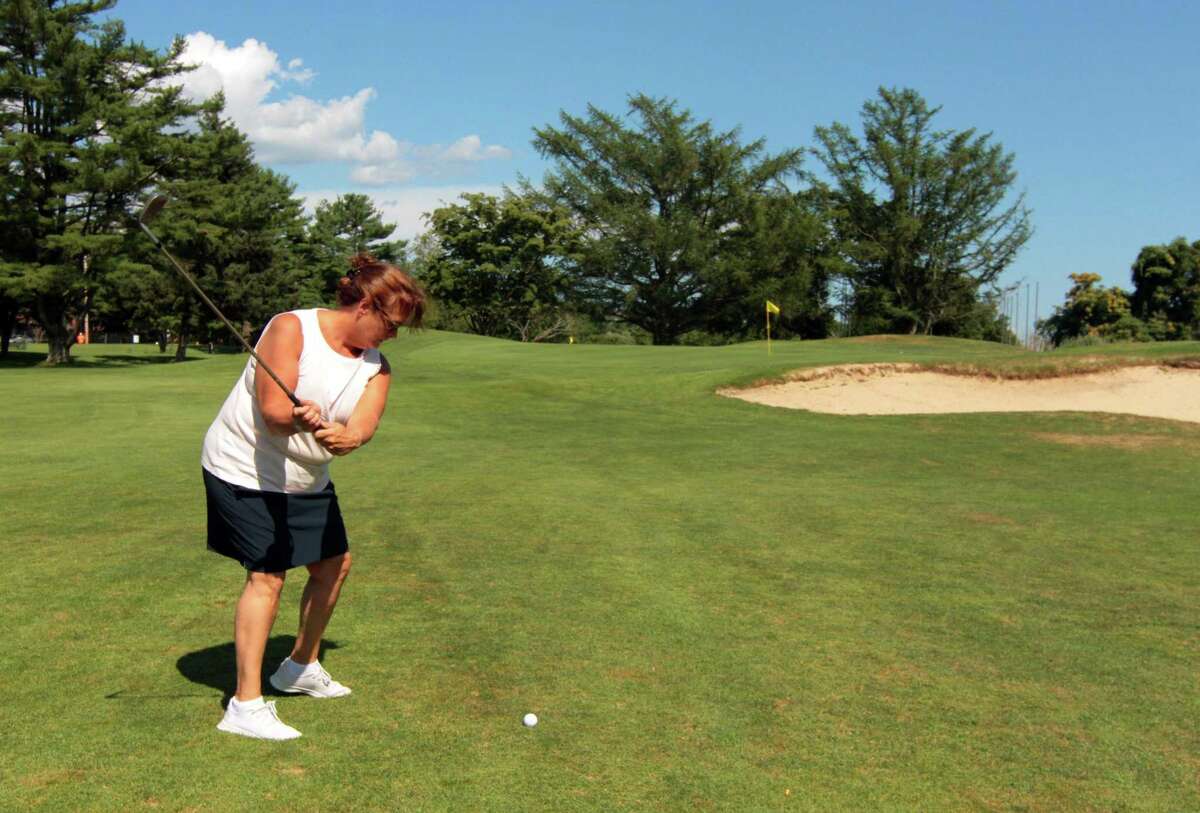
{"x":709,"y":604}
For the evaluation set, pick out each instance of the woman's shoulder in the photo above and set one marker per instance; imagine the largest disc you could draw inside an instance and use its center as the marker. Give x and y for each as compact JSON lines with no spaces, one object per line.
{"x":284,"y":330}
{"x":287,"y":324}
{"x":377,"y":361}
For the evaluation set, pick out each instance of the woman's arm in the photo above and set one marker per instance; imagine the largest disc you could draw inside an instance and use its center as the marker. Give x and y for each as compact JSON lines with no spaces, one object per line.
{"x":344,"y":439}
{"x":280,"y":349}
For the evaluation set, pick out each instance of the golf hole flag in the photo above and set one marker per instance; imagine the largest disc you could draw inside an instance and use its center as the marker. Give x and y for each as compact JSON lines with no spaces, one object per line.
{"x":772,"y":308}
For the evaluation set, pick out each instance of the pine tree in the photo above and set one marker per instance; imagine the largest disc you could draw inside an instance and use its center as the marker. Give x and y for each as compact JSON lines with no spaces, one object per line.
{"x":344,"y":227}
{"x":920,"y":213}
{"x":236,"y":227}
{"x":667,"y":204}
{"x":85,"y":120}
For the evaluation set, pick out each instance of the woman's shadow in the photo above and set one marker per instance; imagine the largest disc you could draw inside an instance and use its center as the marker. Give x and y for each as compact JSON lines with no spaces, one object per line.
{"x":216,"y":666}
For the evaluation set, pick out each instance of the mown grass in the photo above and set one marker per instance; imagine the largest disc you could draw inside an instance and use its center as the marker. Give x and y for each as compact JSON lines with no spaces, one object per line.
{"x":710,"y":604}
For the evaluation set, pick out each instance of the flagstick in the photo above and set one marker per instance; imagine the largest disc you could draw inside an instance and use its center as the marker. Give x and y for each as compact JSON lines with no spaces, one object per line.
{"x":768,"y":313}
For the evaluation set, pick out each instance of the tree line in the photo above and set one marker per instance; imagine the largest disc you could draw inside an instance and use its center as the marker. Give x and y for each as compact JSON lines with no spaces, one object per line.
{"x":1164,"y":304}
{"x":650,"y":224}
{"x":661,"y":222}
{"x":92,"y":126}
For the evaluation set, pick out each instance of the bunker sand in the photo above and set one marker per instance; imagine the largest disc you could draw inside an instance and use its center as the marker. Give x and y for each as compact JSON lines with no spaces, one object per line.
{"x":900,"y":389}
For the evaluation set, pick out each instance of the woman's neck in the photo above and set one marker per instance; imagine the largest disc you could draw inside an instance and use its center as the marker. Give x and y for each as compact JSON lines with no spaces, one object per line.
{"x":337,"y":326}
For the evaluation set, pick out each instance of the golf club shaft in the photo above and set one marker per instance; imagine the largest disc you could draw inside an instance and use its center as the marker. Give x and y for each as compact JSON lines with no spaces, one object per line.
{"x":286,"y":389}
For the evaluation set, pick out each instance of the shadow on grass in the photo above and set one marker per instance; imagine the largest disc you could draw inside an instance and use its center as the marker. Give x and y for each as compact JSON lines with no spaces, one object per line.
{"x":19,"y":359}
{"x":215,"y":667}
{"x":115,"y":360}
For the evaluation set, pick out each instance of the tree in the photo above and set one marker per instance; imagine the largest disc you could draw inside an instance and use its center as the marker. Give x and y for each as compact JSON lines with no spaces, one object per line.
{"x":235,"y":226}
{"x":84,"y":120}
{"x":1092,"y":311}
{"x":781,"y":251}
{"x":665,"y":206}
{"x":921,"y":213}
{"x":498,"y":265}
{"x":982,"y":321}
{"x":11,"y":299}
{"x":1166,"y":289}
{"x":344,"y":227}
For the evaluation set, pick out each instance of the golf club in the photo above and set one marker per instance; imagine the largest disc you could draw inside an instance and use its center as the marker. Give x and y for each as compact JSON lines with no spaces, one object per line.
{"x":152,"y":210}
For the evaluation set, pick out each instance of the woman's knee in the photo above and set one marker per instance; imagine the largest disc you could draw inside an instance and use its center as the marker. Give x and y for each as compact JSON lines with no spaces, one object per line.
{"x":333,"y":569}
{"x":265,"y":585}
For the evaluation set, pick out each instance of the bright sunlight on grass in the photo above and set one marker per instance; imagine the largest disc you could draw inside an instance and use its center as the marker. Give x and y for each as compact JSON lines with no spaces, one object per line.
{"x":709,"y":604}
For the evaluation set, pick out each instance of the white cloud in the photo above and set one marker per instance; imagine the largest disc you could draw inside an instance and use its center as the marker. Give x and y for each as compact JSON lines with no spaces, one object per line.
{"x":405,"y":205}
{"x":380,"y":174}
{"x":301,"y":129}
{"x":432,"y":160}
{"x":470,"y":148}
{"x":297,"y":72}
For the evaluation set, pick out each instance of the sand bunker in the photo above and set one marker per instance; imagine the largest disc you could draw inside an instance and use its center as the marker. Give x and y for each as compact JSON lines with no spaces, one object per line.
{"x":900,"y":389}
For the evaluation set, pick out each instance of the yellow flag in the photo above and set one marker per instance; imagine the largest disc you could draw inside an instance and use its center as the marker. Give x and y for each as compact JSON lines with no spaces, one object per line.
{"x":772,"y":308}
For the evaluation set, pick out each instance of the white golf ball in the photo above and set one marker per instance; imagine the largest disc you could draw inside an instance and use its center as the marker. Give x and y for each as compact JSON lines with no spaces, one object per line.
{"x":530,"y":720}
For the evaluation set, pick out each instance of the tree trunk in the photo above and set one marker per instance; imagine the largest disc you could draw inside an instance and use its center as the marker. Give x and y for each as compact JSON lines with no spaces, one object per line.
{"x":8,"y":317}
{"x":59,"y":334}
{"x":185,"y":314}
{"x":162,"y":341}
{"x":60,"y":346}
{"x":181,"y":347}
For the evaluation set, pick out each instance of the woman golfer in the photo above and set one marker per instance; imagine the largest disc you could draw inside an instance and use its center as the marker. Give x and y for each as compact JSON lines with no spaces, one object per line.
{"x":271,"y":505}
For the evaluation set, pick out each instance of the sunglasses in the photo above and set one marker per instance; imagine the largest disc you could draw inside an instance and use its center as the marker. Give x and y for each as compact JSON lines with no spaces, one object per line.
{"x":391,"y":323}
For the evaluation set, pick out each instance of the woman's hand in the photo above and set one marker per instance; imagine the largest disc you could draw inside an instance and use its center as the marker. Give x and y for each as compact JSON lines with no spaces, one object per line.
{"x":307,"y":417}
{"x":338,"y":438}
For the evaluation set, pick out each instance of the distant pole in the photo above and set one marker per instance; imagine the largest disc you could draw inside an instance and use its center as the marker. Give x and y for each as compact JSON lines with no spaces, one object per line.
{"x":1020,"y":321}
{"x":1016,"y":325}
{"x":1036,"y":291}
{"x":1016,"y":315}
{"x":87,"y":299}
{"x":1027,"y":315}
{"x":1012,"y":310}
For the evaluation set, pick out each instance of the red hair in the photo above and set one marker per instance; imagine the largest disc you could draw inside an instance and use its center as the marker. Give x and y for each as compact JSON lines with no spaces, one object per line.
{"x":385,"y":286}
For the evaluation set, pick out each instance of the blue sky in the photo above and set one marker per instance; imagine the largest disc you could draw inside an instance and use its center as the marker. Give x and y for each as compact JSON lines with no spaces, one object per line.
{"x":414,"y":104}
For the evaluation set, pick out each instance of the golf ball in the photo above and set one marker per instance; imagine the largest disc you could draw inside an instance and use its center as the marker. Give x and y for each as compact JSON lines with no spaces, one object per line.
{"x":530,"y":720}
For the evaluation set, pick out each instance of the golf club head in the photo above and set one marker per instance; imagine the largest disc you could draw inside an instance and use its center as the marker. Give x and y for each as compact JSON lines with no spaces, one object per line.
{"x":153,"y":208}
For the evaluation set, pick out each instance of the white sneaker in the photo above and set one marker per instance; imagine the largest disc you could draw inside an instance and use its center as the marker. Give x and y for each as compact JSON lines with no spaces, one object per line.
{"x":294,"y":678}
{"x":261,"y":723}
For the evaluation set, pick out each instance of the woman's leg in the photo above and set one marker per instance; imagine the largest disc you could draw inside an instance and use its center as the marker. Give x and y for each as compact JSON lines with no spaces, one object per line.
{"x":316,"y":605}
{"x":251,"y":627}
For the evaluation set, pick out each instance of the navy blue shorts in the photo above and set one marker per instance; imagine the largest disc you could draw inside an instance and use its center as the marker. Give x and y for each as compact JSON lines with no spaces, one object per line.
{"x":269,"y":532}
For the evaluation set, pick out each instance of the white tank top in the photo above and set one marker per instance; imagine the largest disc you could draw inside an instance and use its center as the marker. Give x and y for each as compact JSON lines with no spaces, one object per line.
{"x":238,"y":447}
